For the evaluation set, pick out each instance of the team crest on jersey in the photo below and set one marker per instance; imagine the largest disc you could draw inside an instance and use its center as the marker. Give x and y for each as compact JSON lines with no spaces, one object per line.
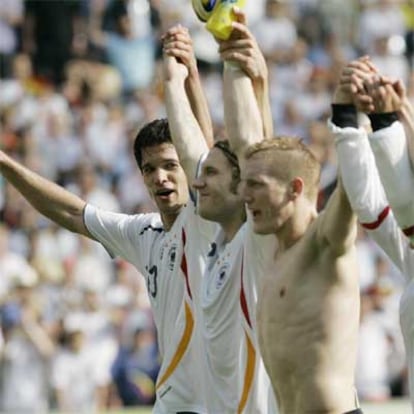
{"x":222,"y":275}
{"x":172,"y":255}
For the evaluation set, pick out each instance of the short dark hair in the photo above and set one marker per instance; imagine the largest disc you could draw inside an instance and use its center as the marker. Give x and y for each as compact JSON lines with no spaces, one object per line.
{"x":224,"y":147}
{"x":154,"y":133}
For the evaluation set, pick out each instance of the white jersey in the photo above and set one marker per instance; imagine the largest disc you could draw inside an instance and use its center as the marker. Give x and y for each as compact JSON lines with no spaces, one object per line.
{"x":172,"y":263}
{"x":237,"y":380}
{"x":366,"y":194}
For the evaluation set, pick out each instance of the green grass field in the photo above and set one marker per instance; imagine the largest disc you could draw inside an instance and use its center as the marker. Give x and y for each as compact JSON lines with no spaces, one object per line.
{"x":392,"y":407}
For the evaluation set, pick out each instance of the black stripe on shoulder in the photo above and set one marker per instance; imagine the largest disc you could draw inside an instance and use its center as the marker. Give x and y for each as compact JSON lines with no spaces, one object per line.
{"x":157,"y":229}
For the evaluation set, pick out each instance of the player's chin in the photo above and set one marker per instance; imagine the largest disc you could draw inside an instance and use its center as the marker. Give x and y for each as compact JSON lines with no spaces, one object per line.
{"x":205,"y":212}
{"x":261,"y":228}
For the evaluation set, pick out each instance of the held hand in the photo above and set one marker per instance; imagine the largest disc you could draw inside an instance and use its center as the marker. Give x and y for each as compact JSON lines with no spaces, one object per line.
{"x":388,"y":95}
{"x":173,"y":70}
{"x":178,"y":44}
{"x":243,"y":49}
{"x":351,"y":87}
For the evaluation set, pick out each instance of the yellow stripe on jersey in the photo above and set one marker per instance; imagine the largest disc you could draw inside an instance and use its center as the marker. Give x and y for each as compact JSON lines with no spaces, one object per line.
{"x":248,"y":373}
{"x":182,"y":346}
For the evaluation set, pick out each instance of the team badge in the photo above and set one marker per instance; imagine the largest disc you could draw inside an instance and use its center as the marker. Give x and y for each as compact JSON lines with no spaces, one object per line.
{"x":222,"y":275}
{"x":172,"y":255}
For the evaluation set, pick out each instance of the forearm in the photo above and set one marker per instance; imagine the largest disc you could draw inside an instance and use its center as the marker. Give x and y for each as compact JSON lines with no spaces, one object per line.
{"x":51,"y":200}
{"x":242,"y":117}
{"x":390,"y":148}
{"x":261,"y":91}
{"x":186,"y":133}
{"x":359,"y":173}
{"x":199,"y":106}
{"x":363,"y":186}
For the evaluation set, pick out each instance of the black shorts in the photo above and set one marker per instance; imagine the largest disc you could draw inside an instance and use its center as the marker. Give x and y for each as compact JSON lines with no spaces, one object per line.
{"x":356,"y":411}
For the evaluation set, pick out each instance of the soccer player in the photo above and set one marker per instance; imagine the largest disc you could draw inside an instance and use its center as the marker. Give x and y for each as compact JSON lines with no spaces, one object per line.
{"x":308,"y":308}
{"x":372,"y":163}
{"x":166,"y":247}
{"x":237,"y":382}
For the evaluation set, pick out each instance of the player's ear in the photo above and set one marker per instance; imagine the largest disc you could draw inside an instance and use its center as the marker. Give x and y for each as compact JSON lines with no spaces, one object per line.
{"x":296,"y":188}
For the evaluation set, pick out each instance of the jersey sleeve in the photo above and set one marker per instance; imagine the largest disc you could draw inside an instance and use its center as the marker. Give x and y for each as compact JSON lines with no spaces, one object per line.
{"x":126,"y":236}
{"x":390,"y":149}
{"x":366,"y":194}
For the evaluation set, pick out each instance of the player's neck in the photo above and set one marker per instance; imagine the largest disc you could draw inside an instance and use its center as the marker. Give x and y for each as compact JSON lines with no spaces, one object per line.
{"x":168,"y":220}
{"x":296,"y":226}
{"x":232,"y":225}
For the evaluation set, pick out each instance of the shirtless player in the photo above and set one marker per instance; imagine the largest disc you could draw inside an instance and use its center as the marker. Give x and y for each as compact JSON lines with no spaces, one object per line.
{"x":308,"y":311}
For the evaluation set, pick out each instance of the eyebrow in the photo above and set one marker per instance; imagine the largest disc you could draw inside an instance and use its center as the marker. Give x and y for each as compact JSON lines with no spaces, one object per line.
{"x":161,"y":162}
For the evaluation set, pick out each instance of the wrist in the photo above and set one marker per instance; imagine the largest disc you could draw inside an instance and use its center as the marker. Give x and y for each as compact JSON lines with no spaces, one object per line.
{"x":232,"y":65}
{"x":261,"y":80}
{"x":341,"y":98}
{"x":175,"y":81}
{"x":382,"y":120}
{"x":344,"y":115}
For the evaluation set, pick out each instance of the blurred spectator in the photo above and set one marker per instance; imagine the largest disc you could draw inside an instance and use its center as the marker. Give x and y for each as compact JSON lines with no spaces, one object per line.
{"x":408,"y":11}
{"x":382,"y":18}
{"x":389,"y":61}
{"x":51,"y":31}
{"x":75,"y":372}
{"x":132,"y":55}
{"x":136,"y":366}
{"x":11,"y":18}
{"x":94,"y":190}
{"x":12,"y":265}
{"x":276,"y":32}
{"x":372,"y":370}
{"x":26,"y":352}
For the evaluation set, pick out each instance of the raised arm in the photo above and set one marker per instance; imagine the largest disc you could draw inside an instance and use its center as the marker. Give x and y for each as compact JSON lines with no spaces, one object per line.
{"x":186,"y":132}
{"x":406,"y":116}
{"x":389,"y":145}
{"x":242,"y":116}
{"x":242,"y":48}
{"x":51,"y":200}
{"x":359,"y":173}
{"x":178,"y":43}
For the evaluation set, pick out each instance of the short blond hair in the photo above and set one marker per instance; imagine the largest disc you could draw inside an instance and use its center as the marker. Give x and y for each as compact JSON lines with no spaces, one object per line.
{"x":288,"y":158}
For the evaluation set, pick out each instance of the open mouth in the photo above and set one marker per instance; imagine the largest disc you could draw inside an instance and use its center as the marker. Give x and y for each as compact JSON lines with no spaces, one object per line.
{"x":164,"y":193}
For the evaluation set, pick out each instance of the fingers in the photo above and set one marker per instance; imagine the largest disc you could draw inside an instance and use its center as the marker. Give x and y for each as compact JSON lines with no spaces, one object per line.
{"x":178,"y":37}
{"x":239,"y":15}
{"x":399,"y":88}
{"x":238,"y":44}
{"x":366,"y":60}
{"x":235,"y":56}
{"x":240,"y":30}
{"x":364,"y":103}
{"x":178,"y":43}
{"x":178,"y":28}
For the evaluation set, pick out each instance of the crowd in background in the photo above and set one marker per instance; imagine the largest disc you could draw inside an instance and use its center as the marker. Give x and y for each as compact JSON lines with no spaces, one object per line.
{"x":77,"y":80}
